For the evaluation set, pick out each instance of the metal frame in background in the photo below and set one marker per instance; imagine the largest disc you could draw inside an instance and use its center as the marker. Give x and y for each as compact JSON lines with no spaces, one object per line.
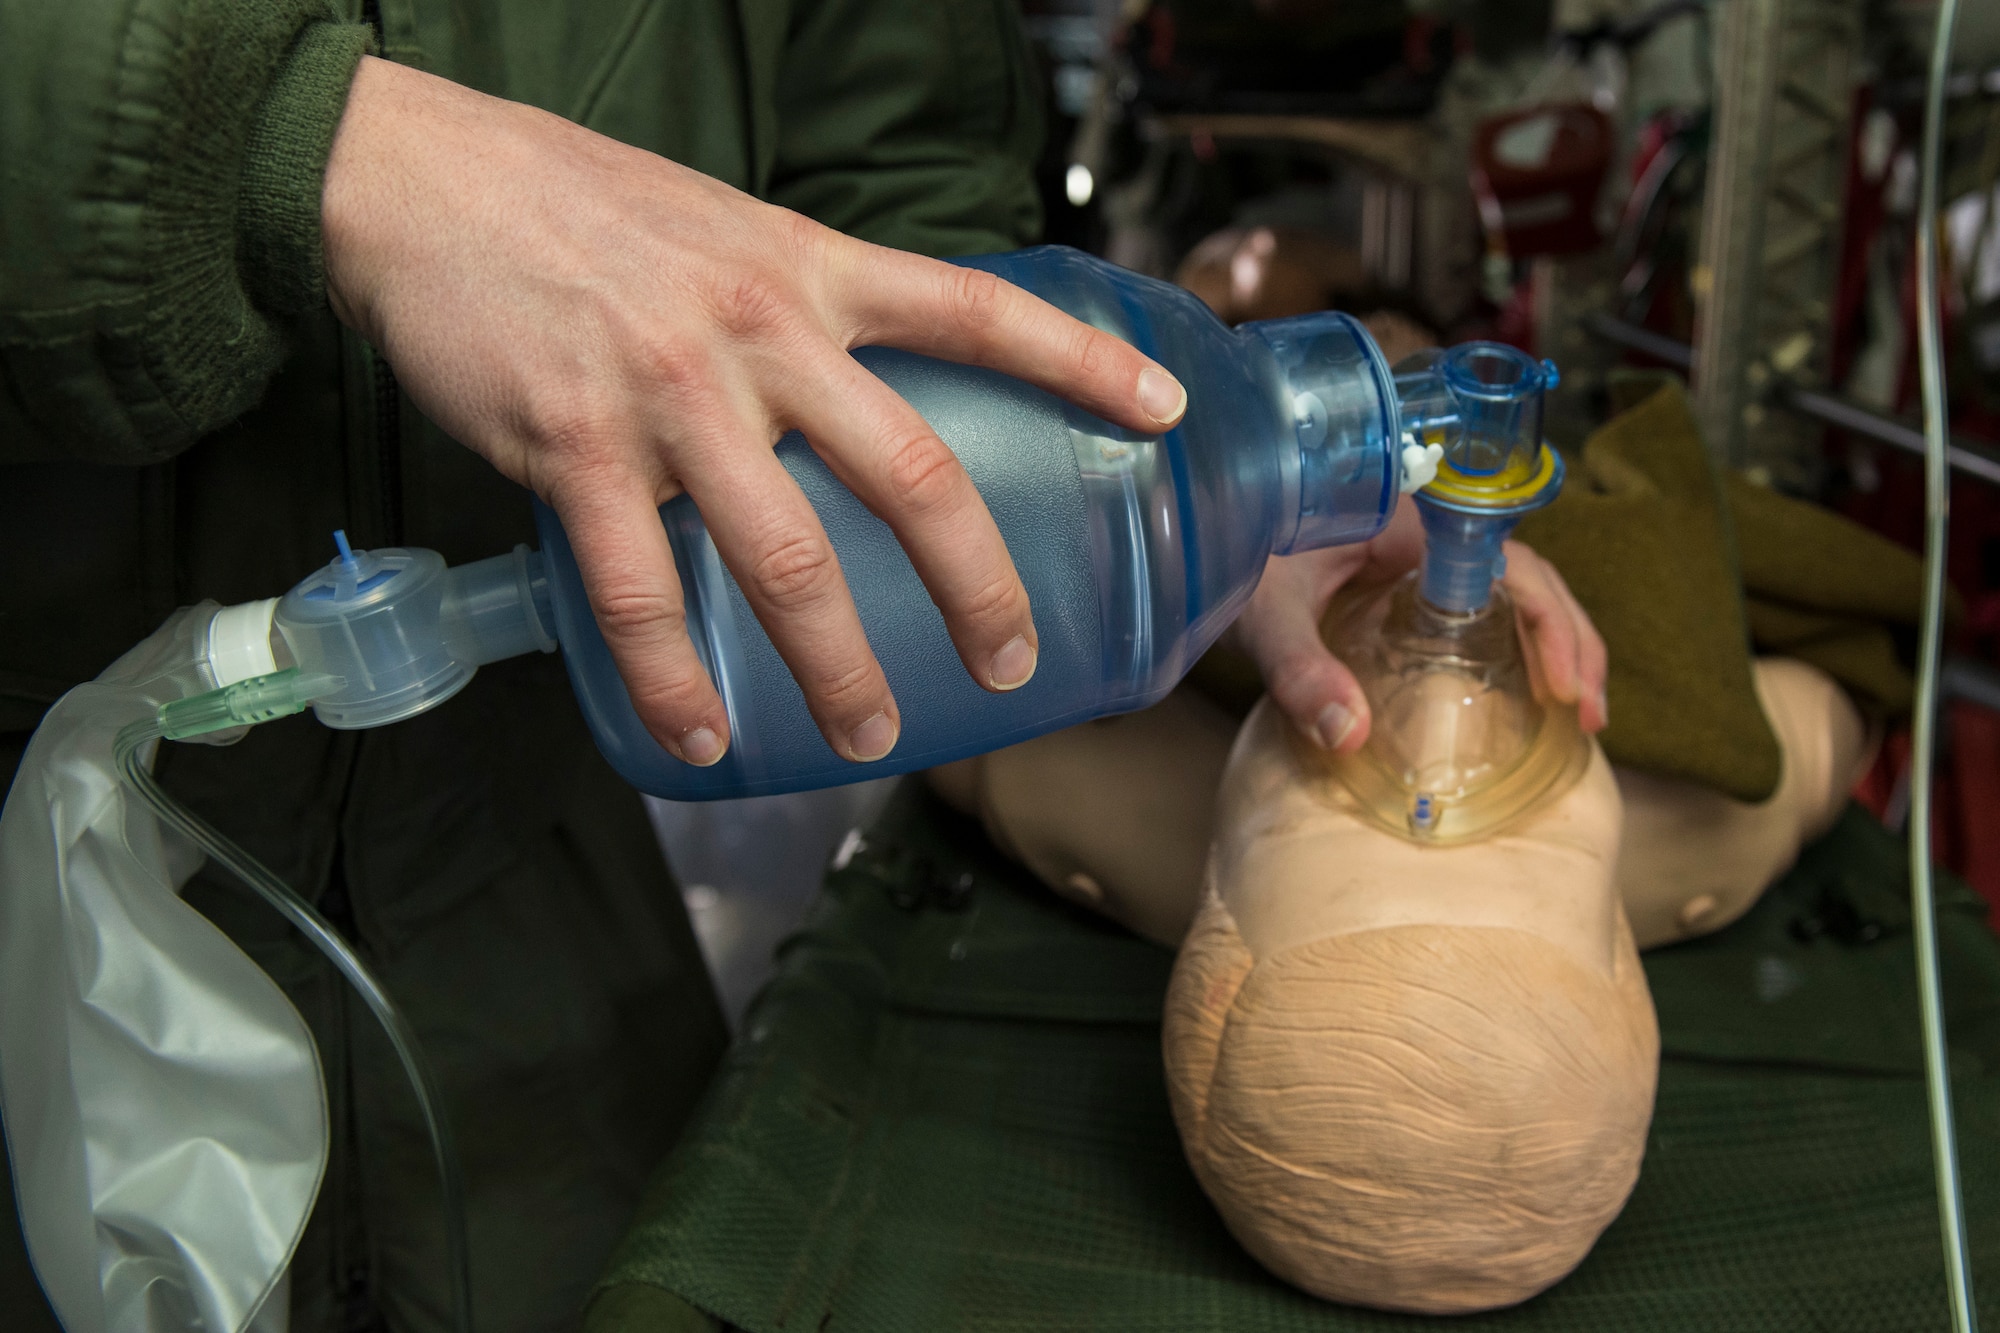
{"x":1968,"y":457}
{"x":1770,"y":230}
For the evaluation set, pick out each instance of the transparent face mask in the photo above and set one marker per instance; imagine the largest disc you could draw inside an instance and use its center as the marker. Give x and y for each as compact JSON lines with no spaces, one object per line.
{"x":1463,"y":740}
{"x":1461,"y":743}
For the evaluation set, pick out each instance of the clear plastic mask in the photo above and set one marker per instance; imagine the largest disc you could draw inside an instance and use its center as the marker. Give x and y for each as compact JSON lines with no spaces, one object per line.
{"x":1460,"y":743}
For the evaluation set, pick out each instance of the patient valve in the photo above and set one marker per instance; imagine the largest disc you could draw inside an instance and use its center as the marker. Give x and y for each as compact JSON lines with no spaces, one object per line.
{"x":1462,"y":743}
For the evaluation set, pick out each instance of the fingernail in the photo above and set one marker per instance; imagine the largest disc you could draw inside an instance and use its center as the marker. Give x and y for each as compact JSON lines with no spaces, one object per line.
{"x":1603,"y":708}
{"x":872,"y":739}
{"x":1162,"y":396}
{"x":1012,"y":665}
{"x":1333,"y":726}
{"x":701,"y":747}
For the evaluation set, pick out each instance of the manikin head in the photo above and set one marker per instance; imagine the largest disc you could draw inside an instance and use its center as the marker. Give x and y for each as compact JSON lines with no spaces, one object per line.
{"x":1409,"y":1076}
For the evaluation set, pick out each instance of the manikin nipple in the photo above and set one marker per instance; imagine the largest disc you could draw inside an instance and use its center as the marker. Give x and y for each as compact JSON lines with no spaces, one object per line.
{"x":1460,"y":745}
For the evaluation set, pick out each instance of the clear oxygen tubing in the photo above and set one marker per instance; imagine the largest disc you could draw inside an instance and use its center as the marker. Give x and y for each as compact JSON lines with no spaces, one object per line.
{"x":1937,"y":524}
{"x":130,"y":755}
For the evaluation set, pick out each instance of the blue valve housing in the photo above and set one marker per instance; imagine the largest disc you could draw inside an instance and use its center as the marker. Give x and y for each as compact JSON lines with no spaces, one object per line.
{"x":1482,"y":402}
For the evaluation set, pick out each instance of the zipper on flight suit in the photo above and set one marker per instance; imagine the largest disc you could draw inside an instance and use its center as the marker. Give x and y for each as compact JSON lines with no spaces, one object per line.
{"x":341,"y":1298}
{"x":372,"y":403}
{"x":374,"y":409}
{"x":388,"y":413}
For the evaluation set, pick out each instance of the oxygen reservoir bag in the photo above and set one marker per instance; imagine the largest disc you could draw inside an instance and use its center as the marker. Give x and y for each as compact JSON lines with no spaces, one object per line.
{"x":165,"y":1113}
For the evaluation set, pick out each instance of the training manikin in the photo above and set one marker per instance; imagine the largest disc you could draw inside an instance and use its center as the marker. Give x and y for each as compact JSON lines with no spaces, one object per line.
{"x":1408,"y":1042}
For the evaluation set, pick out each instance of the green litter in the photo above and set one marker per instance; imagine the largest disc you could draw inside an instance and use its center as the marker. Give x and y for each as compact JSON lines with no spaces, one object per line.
{"x":949,"y":1114}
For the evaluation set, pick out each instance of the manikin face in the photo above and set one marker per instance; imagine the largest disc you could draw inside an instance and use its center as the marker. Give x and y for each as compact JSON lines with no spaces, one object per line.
{"x":1293,"y":866}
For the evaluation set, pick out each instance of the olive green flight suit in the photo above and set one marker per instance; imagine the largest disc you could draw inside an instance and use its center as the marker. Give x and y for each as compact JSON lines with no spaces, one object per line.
{"x":181,"y":417}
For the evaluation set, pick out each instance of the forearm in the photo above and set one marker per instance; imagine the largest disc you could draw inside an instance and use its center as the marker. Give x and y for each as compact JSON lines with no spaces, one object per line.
{"x":160,"y":224}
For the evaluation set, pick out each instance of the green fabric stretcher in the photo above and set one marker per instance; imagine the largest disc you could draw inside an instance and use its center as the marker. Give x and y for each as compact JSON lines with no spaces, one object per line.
{"x":947,"y":1113}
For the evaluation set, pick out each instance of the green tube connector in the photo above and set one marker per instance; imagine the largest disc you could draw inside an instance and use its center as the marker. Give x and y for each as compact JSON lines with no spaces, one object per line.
{"x":244,"y":704}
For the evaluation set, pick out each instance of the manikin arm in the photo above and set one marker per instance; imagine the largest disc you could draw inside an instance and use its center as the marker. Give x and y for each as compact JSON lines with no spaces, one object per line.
{"x":1694,"y":860}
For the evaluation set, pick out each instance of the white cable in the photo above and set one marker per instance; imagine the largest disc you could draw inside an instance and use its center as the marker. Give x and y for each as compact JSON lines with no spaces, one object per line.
{"x":1937,"y":524}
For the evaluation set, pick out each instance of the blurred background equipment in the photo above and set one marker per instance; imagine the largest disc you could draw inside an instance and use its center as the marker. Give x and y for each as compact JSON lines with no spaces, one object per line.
{"x":1538,"y":175}
{"x":1720,"y":189}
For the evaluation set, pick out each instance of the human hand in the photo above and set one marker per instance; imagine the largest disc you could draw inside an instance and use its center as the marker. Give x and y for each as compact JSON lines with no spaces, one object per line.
{"x":1280,"y":631}
{"x":613,"y":329}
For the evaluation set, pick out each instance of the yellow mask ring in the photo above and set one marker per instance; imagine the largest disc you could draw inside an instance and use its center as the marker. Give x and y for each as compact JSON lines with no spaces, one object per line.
{"x":1503,"y":490}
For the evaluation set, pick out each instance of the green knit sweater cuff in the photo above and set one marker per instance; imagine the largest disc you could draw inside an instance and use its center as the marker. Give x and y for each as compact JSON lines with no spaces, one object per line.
{"x":284,"y":168}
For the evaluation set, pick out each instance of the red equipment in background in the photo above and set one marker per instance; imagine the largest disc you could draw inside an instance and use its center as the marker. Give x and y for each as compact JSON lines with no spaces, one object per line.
{"x":1538,"y":174}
